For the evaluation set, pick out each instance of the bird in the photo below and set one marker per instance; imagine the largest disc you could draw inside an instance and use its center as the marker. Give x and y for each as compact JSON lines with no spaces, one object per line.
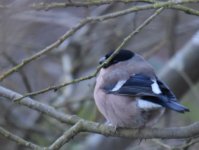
{"x":129,"y":94}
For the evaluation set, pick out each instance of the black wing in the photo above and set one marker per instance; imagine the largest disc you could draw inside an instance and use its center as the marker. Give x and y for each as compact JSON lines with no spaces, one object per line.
{"x":166,"y":99}
{"x":140,"y":85}
{"x":137,"y":85}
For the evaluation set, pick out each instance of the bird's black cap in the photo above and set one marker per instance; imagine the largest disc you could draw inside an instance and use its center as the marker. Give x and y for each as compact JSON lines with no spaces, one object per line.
{"x":122,"y":55}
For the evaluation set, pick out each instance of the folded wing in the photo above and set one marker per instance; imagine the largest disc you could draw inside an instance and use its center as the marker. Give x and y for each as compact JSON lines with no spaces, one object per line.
{"x":152,"y":93}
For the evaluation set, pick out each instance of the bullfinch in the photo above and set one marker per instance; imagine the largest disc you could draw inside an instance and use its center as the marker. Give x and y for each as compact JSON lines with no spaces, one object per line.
{"x":129,"y":94}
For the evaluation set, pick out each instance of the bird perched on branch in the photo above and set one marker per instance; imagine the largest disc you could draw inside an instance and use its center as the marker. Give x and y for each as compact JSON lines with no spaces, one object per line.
{"x":129,"y":94}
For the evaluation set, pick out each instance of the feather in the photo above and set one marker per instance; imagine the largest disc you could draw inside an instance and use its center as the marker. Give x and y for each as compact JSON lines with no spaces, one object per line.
{"x":118,"y":85}
{"x":155,"y":87}
{"x":147,"y":105}
{"x":153,"y":92}
{"x":136,"y":85}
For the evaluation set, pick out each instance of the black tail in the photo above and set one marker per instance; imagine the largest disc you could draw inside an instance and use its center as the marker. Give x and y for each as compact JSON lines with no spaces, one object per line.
{"x":173,"y":105}
{"x":167,"y":103}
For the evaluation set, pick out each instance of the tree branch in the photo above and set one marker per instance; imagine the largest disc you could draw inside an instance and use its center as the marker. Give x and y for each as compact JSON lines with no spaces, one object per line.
{"x":52,"y":5}
{"x":24,"y":77}
{"x":19,"y":140}
{"x":48,"y":6}
{"x":89,"y":126}
{"x":189,"y":144}
{"x":133,"y":33}
{"x":186,"y":9}
{"x":183,"y":64}
{"x":93,"y":19}
{"x":45,"y":50}
{"x":67,"y":136}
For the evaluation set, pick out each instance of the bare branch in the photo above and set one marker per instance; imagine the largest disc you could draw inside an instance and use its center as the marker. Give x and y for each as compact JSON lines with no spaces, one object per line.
{"x":89,"y":126}
{"x":67,"y":136}
{"x":162,"y":144}
{"x":189,"y":144}
{"x":48,"y":6}
{"x":94,"y":19}
{"x":45,"y":50}
{"x":24,"y":77}
{"x":186,"y":9}
{"x":137,"y":30}
{"x":133,"y":33}
{"x":56,"y":87}
{"x":81,"y":125}
{"x":19,"y":140}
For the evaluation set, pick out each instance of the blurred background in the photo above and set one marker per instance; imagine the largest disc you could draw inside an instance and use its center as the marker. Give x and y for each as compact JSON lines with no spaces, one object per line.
{"x":170,"y":43}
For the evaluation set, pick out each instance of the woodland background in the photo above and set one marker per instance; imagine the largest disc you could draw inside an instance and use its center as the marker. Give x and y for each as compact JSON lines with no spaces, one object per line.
{"x":31,"y":35}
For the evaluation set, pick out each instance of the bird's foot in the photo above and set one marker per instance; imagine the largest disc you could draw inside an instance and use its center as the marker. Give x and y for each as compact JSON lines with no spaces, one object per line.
{"x":108,"y":123}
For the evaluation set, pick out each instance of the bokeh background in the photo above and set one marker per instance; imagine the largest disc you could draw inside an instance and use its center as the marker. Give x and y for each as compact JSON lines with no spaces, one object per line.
{"x":25,"y":30}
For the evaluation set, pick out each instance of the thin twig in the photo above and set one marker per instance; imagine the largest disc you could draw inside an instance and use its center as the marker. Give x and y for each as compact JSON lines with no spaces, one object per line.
{"x":19,"y":140}
{"x":162,"y":144}
{"x":94,"y":19}
{"x":137,"y":30}
{"x":48,"y":6}
{"x":56,"y":87}
{"x":133,"y":33}
{"x":45,"y":50}
{"x":189,"y":131}
{"x":189,"y":144}
{"x":186,"y":9}
{"x":67,"y":136}
{"x":24,"y":77}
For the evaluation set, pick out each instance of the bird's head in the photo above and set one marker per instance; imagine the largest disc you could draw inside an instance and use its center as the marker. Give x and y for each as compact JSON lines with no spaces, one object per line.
{"x":122,"y":55}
